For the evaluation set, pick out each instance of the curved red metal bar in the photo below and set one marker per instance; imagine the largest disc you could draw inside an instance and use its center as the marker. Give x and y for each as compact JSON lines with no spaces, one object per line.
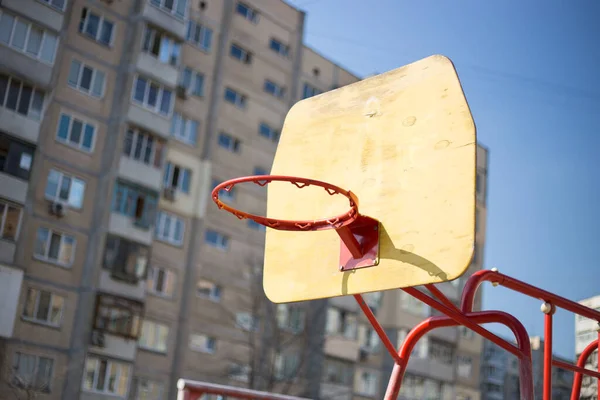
{"x":481,"y":317}
{"x":577,"y":379}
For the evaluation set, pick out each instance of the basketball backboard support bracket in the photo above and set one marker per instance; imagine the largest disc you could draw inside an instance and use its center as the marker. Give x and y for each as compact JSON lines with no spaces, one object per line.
{"x":359,"y":245}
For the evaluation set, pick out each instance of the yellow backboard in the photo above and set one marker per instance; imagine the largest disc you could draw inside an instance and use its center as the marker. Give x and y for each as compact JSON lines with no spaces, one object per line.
{"x":404,"y":142}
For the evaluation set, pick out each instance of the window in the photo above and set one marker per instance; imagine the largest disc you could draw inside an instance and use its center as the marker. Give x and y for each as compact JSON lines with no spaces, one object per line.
{"x":241,"y":54}
{"x":310,"y":91}
{"x":286,"y":366}
{"x":147,"y":389}
{"x":43,"y":306}
{"x":216,"y":239}
{"x":118,"y":316}
{"x":413,"y":305}
{"x":279,"y":48}
{"x":420,"y":350}
{"x":368,"y":338}
{"x":466,"y":333}
{"x":338,"y":372}
{"x":274,"y":89}
{"x":176,"y":7}
{"x":441,"y":352}
{"x":247,"y":12}
{"x":24,"y":37}
{"x":246,"y":321}
{"x":58,"y":4}
{"x":256,"y":226}
{"x":143,"y":147}
{"x":341,"y":322}
{"x":32,"y":372}
{"x":184,"y":129}
{"x":192,"y":81}
{"x":235,"y":98}
{"x":169,"y":228}
{"x":154,"y":336}
{"x":240,"y":372}
{"x":418,"y":387}
{"x":161,"y":46}
{"x":106,"y":376}
{"x":10,"y":221}
{"x":367,"y":384}
{"x":96,"y":27}
{"x":65,"y":189}
{"x":268,"y":132}
{"x":86,"y":79}
{"x":373,"y":300}
{"x":161,"y":281}
{"x":203,"y":343}
{"x":199,"y":35}
{"x":136,"y":203}
{"x":153,"y":96}
{"x":21,"y":97}
{"x":54,"y":247}
{"x":260,"y":171}
{"x":290,"y":318}
{"x":229,"y":142}
{"x":75,"y":132}
{"x":464,"y":366}
{"x":177,"y":177}
{"x":208,"y":289}
{"x":224,"y":194}
{"x":126,"y":260}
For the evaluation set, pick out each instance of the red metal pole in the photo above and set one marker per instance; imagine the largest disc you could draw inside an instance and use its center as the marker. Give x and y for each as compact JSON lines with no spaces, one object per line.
{"x":548,"y":309}
{"x":598,"y":365}
{"x":482,"y":317}
{"x":441,"y":296}
{"x":382,"y":335}
{"x":576,"y":391}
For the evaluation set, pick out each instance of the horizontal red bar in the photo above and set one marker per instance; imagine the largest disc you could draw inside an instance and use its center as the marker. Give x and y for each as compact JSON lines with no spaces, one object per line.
{"x":196,"y":388}
{"x":575,"y":368}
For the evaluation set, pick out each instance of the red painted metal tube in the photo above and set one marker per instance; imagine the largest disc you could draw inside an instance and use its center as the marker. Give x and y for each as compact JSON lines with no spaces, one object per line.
{"x":461,"y":319}
{"x":598,"y":362}
{"x":193,"y":390}
{"x":481,"y":317}
{"x":576,"y":391}
{"x":479,"y":277}
{"x":574,"y":368}
{"x":441,"y":296}
{"x":380,"y":332}
{"x":548,"y":354}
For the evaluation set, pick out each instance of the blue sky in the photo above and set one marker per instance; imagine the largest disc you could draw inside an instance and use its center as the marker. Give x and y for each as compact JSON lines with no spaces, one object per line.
{"x":531,"y":74}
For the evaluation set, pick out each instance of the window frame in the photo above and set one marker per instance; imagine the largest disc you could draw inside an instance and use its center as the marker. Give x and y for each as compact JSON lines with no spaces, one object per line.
{"x":35,"y":310}
{"x":3,"y":217}
{"x":175,"y":46}
{"x":173,"y":12}
{"x":110,"y":364}
{"x":101,"y":19}
{"x":233,"y":144}
{"x":34,"y":91}
{"x":18,"y":354}
{"x":159,"y":97}
{"x":240,"y":101}
{"x":245,"y":56}
{"x":216,"y":290}
{"x":95,"y":73}
{"x":49,"y":4}
{"x":150,"y":203}
{"x":203,"y":349}
{"x":156,"y":327}
{"x":30,"y":25}
{"x":156,"y":152}
{"x":205,"y":43}
{"x":85,"y":123}
{"x":192,"y":85}
{"x":169,"y":276}
{"x":222,"y":240}
{"x":268,"y":132}
{"x":284,"y":49}
{"x":161,"y":217}
{"x":45,"y":257}
{"x":133,"y":308}
{"x":278,"y":91}
{"x":251,"y":14}
{"x":180,"y":122}
{"x":179,"y":186}
{"x":56,"y":198}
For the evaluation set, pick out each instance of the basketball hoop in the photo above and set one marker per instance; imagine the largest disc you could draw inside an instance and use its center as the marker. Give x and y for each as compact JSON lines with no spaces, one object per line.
{"x":359,"y":234}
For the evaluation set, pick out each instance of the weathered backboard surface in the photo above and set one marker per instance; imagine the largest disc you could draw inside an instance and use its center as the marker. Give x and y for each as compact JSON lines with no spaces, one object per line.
{"x":404,"y":142}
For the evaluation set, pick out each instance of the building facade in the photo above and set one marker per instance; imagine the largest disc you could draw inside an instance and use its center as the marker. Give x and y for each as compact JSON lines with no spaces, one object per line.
{"x":500,"y":373}
{"x":586,"y":331}
{"x":117,"y":275}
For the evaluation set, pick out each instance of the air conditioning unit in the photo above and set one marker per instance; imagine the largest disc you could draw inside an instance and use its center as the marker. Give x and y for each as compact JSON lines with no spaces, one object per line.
{"x":181,"y":92}
{"x":97,"y":339}
{"x":169,"y":193}
{"x":57,"y":209}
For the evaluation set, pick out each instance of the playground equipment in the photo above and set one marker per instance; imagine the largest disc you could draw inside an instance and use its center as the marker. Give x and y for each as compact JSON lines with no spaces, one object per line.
{"x":387,"y":201}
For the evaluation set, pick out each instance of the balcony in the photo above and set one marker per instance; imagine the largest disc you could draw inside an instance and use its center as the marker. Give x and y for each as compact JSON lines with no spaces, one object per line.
{"x":153,"y":68}
{"x":27,"y":67}
{"x":10,"y":288}
{"x":428,"y":367}
{"x":19,"y":125}
{"x":342,"y":347}
{"x":140,"y":173}
{"x":149,"y":120}
{"x":38,"y":12}
{"x":130,"y":228}
{"x":7,"y":252}
{"x":124,"y":267}
{"x":168,"y":21}
{"x":12,"y":188}
{"x":16,"y":159}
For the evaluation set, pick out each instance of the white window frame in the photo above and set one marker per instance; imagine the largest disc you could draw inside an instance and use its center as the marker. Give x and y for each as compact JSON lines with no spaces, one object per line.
{"x":172,"y":41}
{"x":287,"y":313}
{"x":95,"y":73}
{"x":3,"y":216}
{"x":206,"y":339}
{"x":159,"y":97}
{"x":84,"y":123}
{"x":282,"y":46}
{"x":251,"y":13}
{"x":200,"y":44}
{"x":212,"y":296}
{"x":139,"y":390}
{"x":286,"y":365}
{"x":24,"y":51}
{"x":273,"y":133}
{"x":170,"y":170}
{"x":246,"y":321}
{"x":35,"y":370}
{"x":161,"y":217}
{"x":241,"y":100}
{"x":57,"y":199}
{"x":222,"y":242}
{"x":178,"y":123}
{"x":110,"y":364}
{"x":313,"y":91}
{"x":245,"y":370}
{"x":464,"y":362}
{"x":101,"y":18}
{"x":245,"y":55}
{"x":278,"y":90}
{"x":170,"y":276}
{"x":195,"y":76}
{"x":139,"y":134}
{"x":367,"y":386}
{"x":173,"y":11}
{"x":156,"y":327}
{"x":34,"y":91}
{"x":45,"y":257}
{"x":234,"y":144}
{"x":49,"y":3}
{"x":46,"y":321}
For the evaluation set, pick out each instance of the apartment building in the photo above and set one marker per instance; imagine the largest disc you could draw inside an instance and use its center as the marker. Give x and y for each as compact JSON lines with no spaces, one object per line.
{"x":117,"y":118}
{"x":586,"y":331}
{"x":500,"y":373}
